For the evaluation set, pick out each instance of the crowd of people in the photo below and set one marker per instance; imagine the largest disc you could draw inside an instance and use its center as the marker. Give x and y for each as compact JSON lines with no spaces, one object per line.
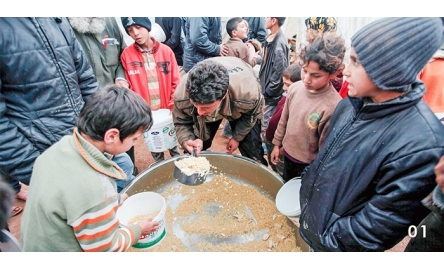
{"x":364,"y":138}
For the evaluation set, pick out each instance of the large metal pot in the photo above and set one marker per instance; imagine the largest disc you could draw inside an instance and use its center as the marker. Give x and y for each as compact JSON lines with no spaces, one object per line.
{"x":159,"y":177}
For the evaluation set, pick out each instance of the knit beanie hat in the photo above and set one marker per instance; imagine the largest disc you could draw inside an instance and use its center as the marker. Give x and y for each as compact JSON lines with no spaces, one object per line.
{"x":142,"y":21}
{"x":394,"y":50}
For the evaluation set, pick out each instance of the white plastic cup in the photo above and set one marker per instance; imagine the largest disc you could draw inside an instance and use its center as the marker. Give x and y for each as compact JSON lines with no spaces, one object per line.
{"x":287,"y":200}
{"x":144,"y":203}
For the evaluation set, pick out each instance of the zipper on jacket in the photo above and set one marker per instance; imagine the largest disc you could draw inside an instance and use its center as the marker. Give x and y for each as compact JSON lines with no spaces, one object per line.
{"x":326,"y":156}
{"x":56,"y":60}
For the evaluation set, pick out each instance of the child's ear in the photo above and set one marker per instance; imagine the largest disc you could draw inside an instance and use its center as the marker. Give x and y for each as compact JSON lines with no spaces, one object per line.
{"x":111,"y":135}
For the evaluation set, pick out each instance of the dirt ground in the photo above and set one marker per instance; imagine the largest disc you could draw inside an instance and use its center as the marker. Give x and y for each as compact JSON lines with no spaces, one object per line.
{"x":143,"y":161}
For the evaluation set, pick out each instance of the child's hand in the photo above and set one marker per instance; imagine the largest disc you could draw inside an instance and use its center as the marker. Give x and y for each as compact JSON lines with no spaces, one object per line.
{"x":123,"y":197}
{"x":275,"y":155}
{"x":148,"y":226}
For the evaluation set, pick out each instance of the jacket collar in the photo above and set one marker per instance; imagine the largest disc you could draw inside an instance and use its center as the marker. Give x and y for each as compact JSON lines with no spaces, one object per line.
{"x":369,"y":110}
{"x":156,"y":45}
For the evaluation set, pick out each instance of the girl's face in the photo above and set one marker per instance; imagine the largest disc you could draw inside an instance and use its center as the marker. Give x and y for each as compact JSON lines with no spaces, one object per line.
{"x":359,"y":83}
{"x":139,"y":33}
{"x":313,"y":77}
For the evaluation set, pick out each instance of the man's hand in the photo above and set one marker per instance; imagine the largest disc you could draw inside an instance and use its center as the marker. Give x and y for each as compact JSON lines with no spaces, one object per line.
{"x":232,"y":145}
{"x":122,"y":83}
{"x":190,"y":144}
{"x":223,"y":50}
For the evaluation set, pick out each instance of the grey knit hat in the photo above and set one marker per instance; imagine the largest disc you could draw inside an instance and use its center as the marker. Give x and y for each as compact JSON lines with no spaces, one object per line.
{"x":394,"y":50}
{"x":142,"y":21}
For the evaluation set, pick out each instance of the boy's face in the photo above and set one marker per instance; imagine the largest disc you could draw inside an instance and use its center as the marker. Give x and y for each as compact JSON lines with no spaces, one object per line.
{"x":139,"y":33}
{"x":313,"y":77}
{"x":119,"y":147}
{"x":287,"y":83}
{"x":241,"y":30}
{"x":359,"y":83}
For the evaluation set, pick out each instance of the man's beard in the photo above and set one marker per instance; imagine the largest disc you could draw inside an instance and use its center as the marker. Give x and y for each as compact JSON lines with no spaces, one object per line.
{"x":83,"y":25}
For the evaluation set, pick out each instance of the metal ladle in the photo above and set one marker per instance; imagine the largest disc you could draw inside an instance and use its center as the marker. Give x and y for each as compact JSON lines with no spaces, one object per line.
{"x":190,"y":180}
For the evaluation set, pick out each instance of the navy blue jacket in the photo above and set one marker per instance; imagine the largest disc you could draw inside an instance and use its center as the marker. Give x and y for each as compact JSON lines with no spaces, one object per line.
{"x":257,"y":28}
{"x":172,"y":26}
{"x":364,"y":189}
{"x":44,"y":80}
{"x":202,"y":40}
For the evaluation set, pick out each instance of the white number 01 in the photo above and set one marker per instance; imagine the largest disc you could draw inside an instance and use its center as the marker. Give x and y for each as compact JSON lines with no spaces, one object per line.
{"x":413,"y":231}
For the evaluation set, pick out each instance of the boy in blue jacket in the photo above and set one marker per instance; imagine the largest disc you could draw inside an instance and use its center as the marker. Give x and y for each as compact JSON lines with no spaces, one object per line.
{"x":364,"y":189}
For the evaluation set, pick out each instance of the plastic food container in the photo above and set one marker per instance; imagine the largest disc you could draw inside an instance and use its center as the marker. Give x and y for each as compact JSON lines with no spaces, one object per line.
{"x":287,"y":200}
{"x":144,"y":203}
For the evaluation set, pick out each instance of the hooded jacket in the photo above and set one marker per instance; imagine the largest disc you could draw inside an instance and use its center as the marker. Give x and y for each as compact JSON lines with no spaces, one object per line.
{"x":166,"y":67}
{"x":364,"y":189}
{"x":243,"y":101}
{"x":274,"y":61}
{"x":202,"y":40}
{"x":44,"y":79}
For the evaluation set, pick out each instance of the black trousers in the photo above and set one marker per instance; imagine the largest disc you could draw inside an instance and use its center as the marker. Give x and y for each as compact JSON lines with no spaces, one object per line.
{"x":250,"y":146}
{"x":292,"y":169}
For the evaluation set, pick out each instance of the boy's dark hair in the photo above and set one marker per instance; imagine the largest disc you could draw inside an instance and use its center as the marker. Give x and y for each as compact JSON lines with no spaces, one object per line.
{"x":232,"y":25}
{"x":281,"y":20}
{"x":207,"y":82}
{"x":327,"y":50}
{"x":117,"y":107}
{"x":293,"y":72}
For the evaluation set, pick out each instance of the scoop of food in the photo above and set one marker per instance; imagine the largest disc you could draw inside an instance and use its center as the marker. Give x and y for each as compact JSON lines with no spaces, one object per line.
{"x":191,"y":170}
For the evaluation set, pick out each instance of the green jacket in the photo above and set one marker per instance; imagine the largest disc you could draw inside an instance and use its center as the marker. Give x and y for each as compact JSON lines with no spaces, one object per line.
{"x":104,"y":61}
{"x":73,"y":201}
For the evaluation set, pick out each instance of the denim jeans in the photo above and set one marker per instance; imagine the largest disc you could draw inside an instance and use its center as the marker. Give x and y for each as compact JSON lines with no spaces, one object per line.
{"x":159,"y":156}
{"x":124,"y":162}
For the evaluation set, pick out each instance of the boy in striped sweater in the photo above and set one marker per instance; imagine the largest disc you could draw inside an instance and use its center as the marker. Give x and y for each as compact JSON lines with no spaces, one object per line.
{"x":72,"y":200}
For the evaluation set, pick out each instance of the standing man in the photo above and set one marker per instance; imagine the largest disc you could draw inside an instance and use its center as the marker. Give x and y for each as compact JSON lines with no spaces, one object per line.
{"x":203,"y":38}
{"x":218,"y":88}
{"x":275,"y":60}
{"x":45,"y":79}
{"x":103,"y":43}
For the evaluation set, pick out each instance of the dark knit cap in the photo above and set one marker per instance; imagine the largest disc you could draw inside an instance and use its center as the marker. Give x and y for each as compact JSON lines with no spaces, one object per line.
{"x":394,"y":50}
{"x":142,"y":21}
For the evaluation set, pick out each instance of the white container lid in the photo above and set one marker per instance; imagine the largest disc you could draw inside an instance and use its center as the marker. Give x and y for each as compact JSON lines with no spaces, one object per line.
{"x":161,"y":118}
{"x":287,"y":198}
